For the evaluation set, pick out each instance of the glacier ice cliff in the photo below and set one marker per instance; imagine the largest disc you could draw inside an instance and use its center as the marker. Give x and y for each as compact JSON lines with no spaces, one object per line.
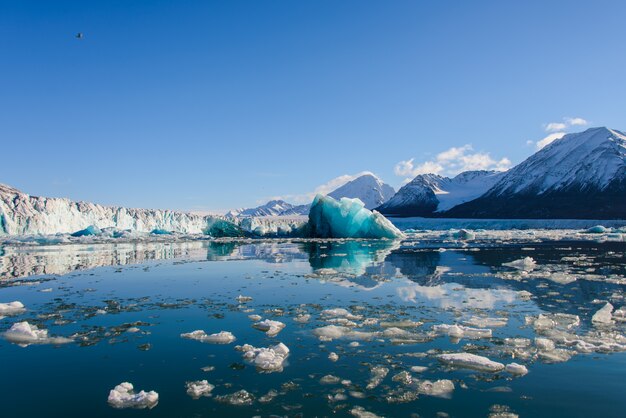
{"x":348,"y":218}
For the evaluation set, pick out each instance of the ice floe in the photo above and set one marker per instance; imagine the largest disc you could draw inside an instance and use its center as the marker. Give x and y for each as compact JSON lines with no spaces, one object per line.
{"x":123,"y":396}
{"x":470,"y":361}
{"x":222,"y":337}
{"x":270,"y":327}
{"x":270,"y":359}
{"x":526,"y":264}
{"x":24,"y":334}
{"x":239,"y":398}
{"x":199,"y":388}
{"x":12,"y":308}
{"x":604,"y":315}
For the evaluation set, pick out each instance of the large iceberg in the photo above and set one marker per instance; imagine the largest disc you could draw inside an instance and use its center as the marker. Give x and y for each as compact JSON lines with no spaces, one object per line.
{"x":348,"y":218}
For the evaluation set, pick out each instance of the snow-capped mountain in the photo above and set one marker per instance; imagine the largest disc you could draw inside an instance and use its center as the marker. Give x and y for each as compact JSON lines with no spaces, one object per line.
{"x":581,"y":175}
{"x":272,"y":208}
{"x":368,"y":188}
{"x":427,"y":194}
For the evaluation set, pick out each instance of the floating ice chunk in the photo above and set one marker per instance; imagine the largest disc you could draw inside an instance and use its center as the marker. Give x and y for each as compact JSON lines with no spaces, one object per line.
{"x":525,"y":264}
{"x":439,"y":388}
{"x":471,"y":361}
{"x":239,"y":398}
{"x":544,"y":344}
{"x":348,"y":218}
{"x":476,"y":321}
{"x":360,"y":412}
{"x":24,"y":334}
{"x":516,"y":369}
{"x":255,"y":318}
{"x":266,"y":359}
{"x":89,"y":231}
{"x":329,"y":379}
{"x":459,"y":331}
{"x":598,"y":229}
{"x":243,"y":299}
{"x":302,"y":318}
{"x":378,"y":373}
{"x":270,"y":327}
{"x":464,"y":234}
{"x":418,"y":369}
{"x":334,"y":332}
{"x":604,"y":315}
{"x":199,"y":388}
{"x":333,"y":357}
{"x":123,"y":396}
{"x":340,"y":313}
{"x":222,"y":337}
{"x":12,"y":308}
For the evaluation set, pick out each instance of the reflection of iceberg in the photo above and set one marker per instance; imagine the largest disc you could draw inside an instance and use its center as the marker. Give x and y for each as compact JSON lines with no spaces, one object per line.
{"x":348,"y":218}
{"x":351,"y":257}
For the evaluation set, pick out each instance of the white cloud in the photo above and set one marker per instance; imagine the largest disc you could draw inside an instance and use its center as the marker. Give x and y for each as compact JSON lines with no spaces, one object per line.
{"x":451,"y":162}
{"x":576,"y":121}
{"x":324,"y":189}
{"x":555,"y":126}
{"x":549,"y":139}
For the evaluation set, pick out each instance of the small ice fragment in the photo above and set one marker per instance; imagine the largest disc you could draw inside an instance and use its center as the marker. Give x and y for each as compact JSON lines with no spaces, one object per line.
{"x":418,"y":369}
{"x":334,"y":332}
{"x":123,"y":396}
{"x":604,"y":315}
{"x":199,"y":388}
{"x":266,"y":359}
{"x":239,"y":398}
{"x":516,"y":369}
{"x":133,"y":330}
{"x":243,"y":299}
{"x":340,"y":313}
{"x":329,"y":379}
{"x":333,"y":357}
{"x":207,"y":368}
{"x":526,"y":264}
{"x":544,"y":344}
{"x":439,"y":388}
{"x":458,"y":331}
{"x":12,"y":308}
{"x":270,"y":327}
{"x":255,"y":318}
{"x":222,"y":337}
{"x":360,"y":412}
{"x":598,"y":229}
{"x":378,"y":373}
{"x":24,"y":334}
{"x":471,"y":361}
{"x":46,"y":290}
{"x":302,"y":318}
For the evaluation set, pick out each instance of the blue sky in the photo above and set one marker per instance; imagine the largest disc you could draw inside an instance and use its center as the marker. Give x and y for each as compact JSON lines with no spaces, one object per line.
{"x":210,"y":105}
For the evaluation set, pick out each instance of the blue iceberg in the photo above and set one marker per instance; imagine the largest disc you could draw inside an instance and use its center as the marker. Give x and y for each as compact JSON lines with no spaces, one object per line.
{"x":90,"y":230}
{"x":158,"y":231}
{"x":348,"y":218}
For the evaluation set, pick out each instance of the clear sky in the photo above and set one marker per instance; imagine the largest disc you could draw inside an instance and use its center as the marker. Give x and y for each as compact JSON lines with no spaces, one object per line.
{"x":210,"y":105}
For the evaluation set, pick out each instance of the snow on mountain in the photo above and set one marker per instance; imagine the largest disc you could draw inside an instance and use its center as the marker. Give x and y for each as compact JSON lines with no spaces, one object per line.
{"x":271,"y":208}
{"x":368,"y":188}
{"x":582,"y":175}
{"x":430,"y":193}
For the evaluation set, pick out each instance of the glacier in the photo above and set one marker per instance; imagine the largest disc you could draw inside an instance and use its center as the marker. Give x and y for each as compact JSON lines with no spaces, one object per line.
{"x":347,"y":218}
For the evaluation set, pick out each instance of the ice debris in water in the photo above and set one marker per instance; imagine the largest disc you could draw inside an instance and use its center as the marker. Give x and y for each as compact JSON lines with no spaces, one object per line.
{"x":12,"y":308}
{"x":471,"y":361}
{"x":123,"y":396}
{"x":333,"y":357}
{"x":334,"y":332}
{"x":459,"y":331}
{"x":269,"y":359}
{"x":89,"y":231}
{"x":360,"y":412}
{"x":239,"y":398}
{"x":516,"y":369}
{"x":243,"y":299}
{"x":340,"y":313}
{"x":348,"y":218}
{"x":222,"y":337}
{"x":525,"y":264}
{"x":604,"y":315}
{"x":378,"y":373}
{"x":439,"y":388}
{"x":24,"y":334}
{"x":199,"y":388}
{"x":270,"y":327}
{"x":598,"y":229}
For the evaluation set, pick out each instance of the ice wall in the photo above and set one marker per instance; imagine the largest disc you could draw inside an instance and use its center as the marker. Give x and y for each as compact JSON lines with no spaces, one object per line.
{"x":348,"y":218}
{"x":22,"y":214}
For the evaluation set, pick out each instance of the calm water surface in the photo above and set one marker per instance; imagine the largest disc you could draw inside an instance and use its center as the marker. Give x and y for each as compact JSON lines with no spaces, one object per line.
{"x":93,"y":294}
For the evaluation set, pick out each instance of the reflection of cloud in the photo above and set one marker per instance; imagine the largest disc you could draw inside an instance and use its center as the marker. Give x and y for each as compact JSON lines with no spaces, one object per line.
{"x":453,"y":295}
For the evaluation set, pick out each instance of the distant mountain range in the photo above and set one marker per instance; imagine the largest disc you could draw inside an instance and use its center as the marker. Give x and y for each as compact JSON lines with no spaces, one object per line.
{"x":370,"y":189}
{"x":580,"y":176}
